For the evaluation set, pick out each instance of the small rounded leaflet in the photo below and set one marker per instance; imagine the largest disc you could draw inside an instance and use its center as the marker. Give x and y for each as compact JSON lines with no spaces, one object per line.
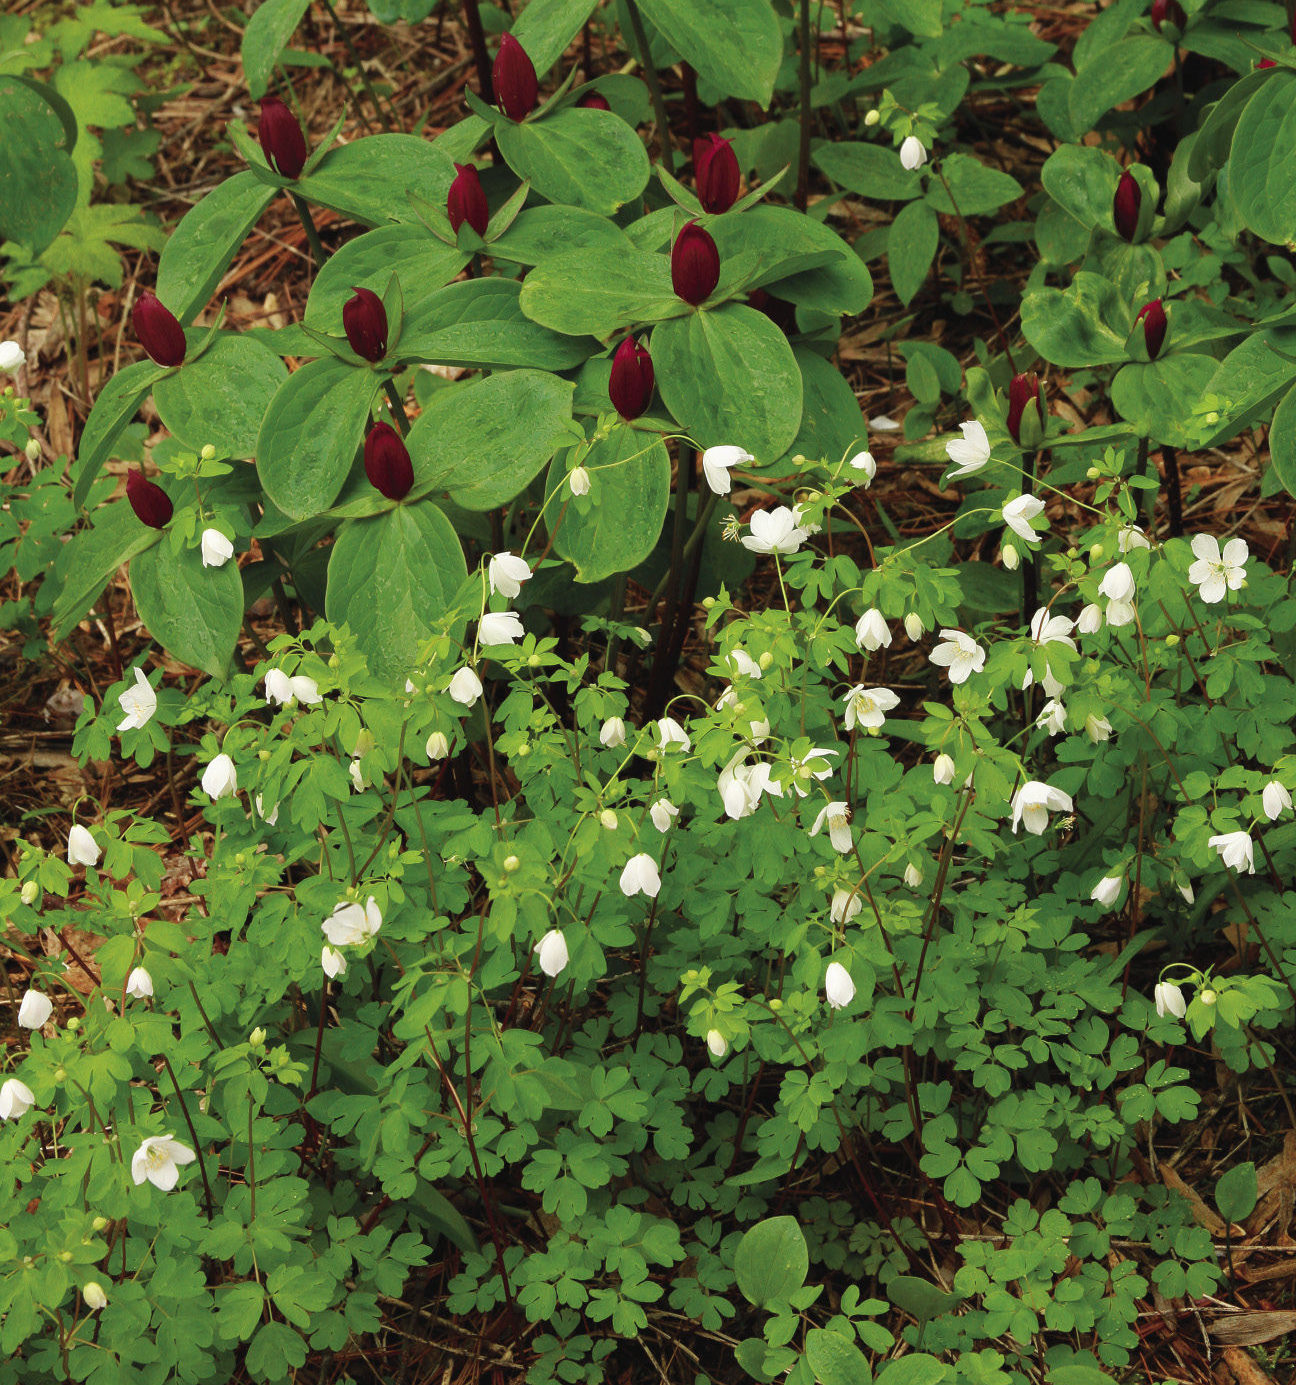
{"x":364,"y":319}
{"x":152,"y":505}
{"x":281,"y":138}
{"x":630,"y":384}
{"x":517,"y":89}
{"x":387,"y":462}
{"x":695,"y":264}
{"x":158,"y":329}
{"x":715,"y":170}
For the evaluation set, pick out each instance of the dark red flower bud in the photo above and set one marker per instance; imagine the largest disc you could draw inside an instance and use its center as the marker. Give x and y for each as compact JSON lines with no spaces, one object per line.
{"x":364,"y":319}
{"x":1125,"y":206}
{"x":152,"y":505}
{"x":1264,"y":63}
{"x":1023,"y":389}
{"x":517,"y":89}
{"x":1168,"y":10}
{"x":695,"y":264}
{"x":715,"y":169}
{"x":467,"y":200}
{"x":281,"y":138}
{"x":1152,"y":316}
{"x":387,"y":462}
{"x":595,"y":101}
{"x":159,"y":332}
{"x":631,"y":384}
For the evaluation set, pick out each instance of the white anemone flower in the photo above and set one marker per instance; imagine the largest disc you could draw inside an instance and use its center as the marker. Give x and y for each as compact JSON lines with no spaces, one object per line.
{"x":1018,"y":513}
{"x":1169,"y":1000}
{"x":465,"y":687}
{"x":12,"y":358}
{"x":551,"y":952}
{"x":35,"y":1010}
{"x":1090,"y":619}
{"x":863,"y":461}
{"x":839,"y":989}
{"x":913,"y":876}
{"x":959,"y":653}
{"x":1118,"y":583}
{"x":500,"y":627}
{"x":837,"y":818}
{"x":333,"y":962}
{"x":1236,"y":850}
{"x":740,"y":785}
{"x":1214,"y":572}
{"x":612,"y":733}
{"x":159,"y":1159}
{"x":1275,"y":799}
{"x":217,"y":550}
{"x":913,"y":153}
{"x":871,"y":631}
{"x":139,"y":984}
{"x":774,"y":531}
{"x":94,"y":1295}
{"x":139,"y":703}
{"x":970,"y":452}
{"x":1107,"y":891}
{"x":16,"y":1099}
{"x":1049,"y":629}
{"x":1052,"y":717}
{"x":867,"y":707}
{"x":670,"y":732}
{"x":220,"y":778}
{"x":743,"y":665}
{"x":943,"y":768}
{"x":349,"y":924}
{"x":717,"y":462}
{"x":663,"y":814}
{"x":716,"y":1043}
{"x":1130,"y":537}
{"x":1097,"y":728}
{"x":282,"y":689}
{"x":506,"y":572}
{"x":82,"y":849}
{"x":579,"y":481}
{"x":1034,"y":801}
{"x":640,"y":876}
{"x":846,"y":905}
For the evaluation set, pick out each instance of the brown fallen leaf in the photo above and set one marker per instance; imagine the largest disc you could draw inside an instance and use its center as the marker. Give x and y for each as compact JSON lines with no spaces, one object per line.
{"x":1251,"y":1328}
{"x":1245,"y":1371}
{"x":1202,"y":1214}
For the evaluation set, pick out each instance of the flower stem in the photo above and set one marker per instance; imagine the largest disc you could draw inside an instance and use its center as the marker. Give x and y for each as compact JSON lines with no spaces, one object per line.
{"x":654,"y":85}
{"x":312,"y":231}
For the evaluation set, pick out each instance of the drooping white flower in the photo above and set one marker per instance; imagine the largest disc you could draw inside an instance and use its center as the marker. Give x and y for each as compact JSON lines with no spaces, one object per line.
{"x":506,"y":573}
{"x":159,"y":1159}
{"x":1034,"y":801}
{"x":670,"y":732}
{"x":717,"y":463}
{"x":1130,"y":537}
{"x":438,"y":747}
{"x":16,"y":1099}
{"x":349,"y":924}
{"x":1049,"y":629}
{"x":913,"y":876}
{"x":139,"y":984}
{"x":1120,"y":613}
{"x":1107,"y":890}
{"x":943,"y":768}
{"x":774,"y":531}
{"x":1275,"y":799}
{"x":839,"y":989}
{"x":863,"y":461}
{"x":743,"y":665}
{"x":1169,"y":1000}
{"x":551,"y":952}
{"x":1236,"y":850}
{"x":716,"y":1042}
{"x":867,"y":707}
{"x":846,"y":904}
{"x":970,"y":452}
{"x":269,"y":818}
{"x":94,"y":1295}
{"x":139,"y":703}
{"x":1052,"y":717}
{"x":1097,"y":728}
{"x":579,"y":481}
{"x":608,"y":820}
{"x":217,"y":550}
{"x":1214,"y":572}
{"x":913,"y":153}
{"x":357,"y":774}
{"x":11,"y":358}
{"x":1018,"y":513}
{"x":333,"y":962}
{"x":960,"y":653}
{"x":500,"y":627}
{"x":837,"y":818}
{"x":1010,"y":557}
{"x":740,"y":785}
{"x":1090,"y":619}
{"x":913,"y":626}
{"x":220,"y":778}
{"x":35,"y":1010}
{"x":82,"y":850}
{"x":282,"y":689}
{"x":871,"y":630}
{"x":1118,"y":583}
{"x":465,"y":687}
{"x":613,"y":733}
{"x":663,"y":814}
{"x":640,"y":876}
{"x":812,"y":765}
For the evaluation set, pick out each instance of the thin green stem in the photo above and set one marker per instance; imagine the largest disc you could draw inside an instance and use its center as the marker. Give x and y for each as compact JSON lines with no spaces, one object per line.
{"x":654,"y":85}
{"x":397,"y":406}
{"x":308,"y":225}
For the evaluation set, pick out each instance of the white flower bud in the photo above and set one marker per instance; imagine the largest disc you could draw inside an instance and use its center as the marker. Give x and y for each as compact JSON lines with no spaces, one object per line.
{"x":913,"y":625}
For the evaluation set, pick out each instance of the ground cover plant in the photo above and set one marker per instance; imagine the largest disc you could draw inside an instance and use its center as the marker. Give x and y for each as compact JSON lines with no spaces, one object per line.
{"x":651,"y":656}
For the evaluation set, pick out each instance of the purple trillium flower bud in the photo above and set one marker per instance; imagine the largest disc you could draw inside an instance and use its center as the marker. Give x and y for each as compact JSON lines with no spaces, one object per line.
{"x":715,"y":169}
{"x":1023,"y":389}
{"x":364,"y":319}
{"x":281,"y":138}
{"x":1153,"y":317}
{"x":695,"y":264}
{"x":1125,"y":206}
{"x":467,"y":200}
{"x":1168,"y":11}
{"x":630,"y":386}
{"x":387,"y":462}
{"x":517,"y":90}
{"x":595,"y":101}
{"x":152,"y":505}
{"x":158,"y":330}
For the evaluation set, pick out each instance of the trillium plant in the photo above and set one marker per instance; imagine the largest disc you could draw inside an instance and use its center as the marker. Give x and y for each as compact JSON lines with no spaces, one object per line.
{"x":619,"y":867}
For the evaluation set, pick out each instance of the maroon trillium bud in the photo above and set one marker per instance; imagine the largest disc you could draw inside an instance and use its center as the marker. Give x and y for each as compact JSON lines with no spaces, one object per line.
{"x":1264,"y":63}
{"x":630,"y":386}
{"x":159,"y":333}
{"x":467,"y":200}
{"x":1170,"y":11}
{"x":513,"y":77}
{"x":1023,"y":389}
{"x":152,"y":505}
{"x":364,"y":319}
{"x":695,"y":264}
{"x":715,"y":169}
{"x":387,"y":462}
{"x":1152,"y":316}
{"x":595,"y":101}
{"x":281,"y":138}
{"x":1125,"y":206}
